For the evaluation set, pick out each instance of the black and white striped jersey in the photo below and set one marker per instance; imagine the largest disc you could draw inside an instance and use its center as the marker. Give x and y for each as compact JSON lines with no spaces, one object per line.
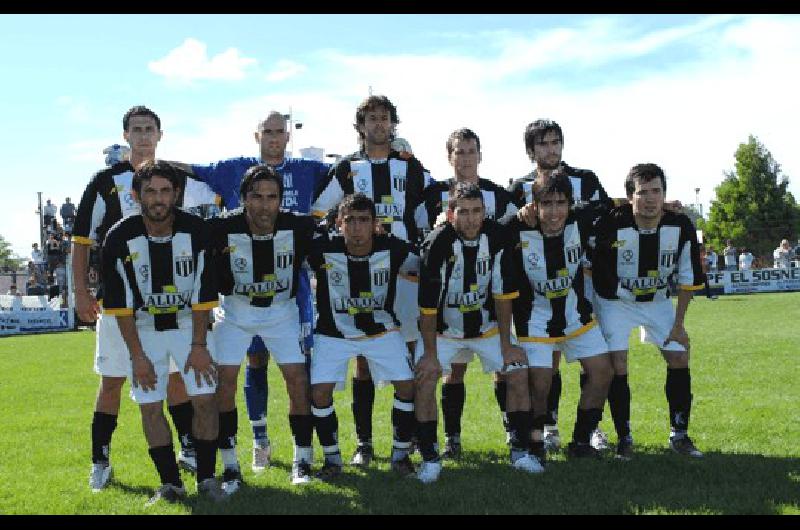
{"x":634,"y":264}
{"x":109,"y":197}
{"x":356,"y":294}
{"x":436,"y":196}
{"x":459,"y":280}
{"x":395,"y":184}
{"x":258,"y":274}
{"x":159,"y":280}
{"x":552,"y":303}
{"x":586,"y":187}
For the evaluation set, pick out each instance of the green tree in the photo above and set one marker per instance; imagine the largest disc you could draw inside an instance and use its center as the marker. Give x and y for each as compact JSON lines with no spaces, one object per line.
{"x":753,"y":207}
{"x":6,"y":258}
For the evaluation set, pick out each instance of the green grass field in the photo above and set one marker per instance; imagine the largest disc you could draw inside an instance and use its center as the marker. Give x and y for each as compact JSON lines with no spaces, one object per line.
{"x":746,"y":418}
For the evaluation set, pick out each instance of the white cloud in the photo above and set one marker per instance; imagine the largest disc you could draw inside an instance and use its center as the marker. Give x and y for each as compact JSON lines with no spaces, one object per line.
{"x":284,"y":70}
{"x":190,"y":61}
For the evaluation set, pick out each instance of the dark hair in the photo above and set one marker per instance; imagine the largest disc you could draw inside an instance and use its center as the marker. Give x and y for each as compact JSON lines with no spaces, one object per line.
{"x":372,"y":103}
{"x":463,"y":190}
{"x":139,"y":110}
{"x":535,"y":131}
{"x":256,"y":173}
{"x":461,"y":134}
{"x":557,"y":182}
{"x":358,"y":202}
{"x":150,"y":168}
{"x":644,"y":173}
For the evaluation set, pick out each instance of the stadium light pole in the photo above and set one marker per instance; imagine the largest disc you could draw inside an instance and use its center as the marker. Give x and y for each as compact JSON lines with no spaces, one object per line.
{"x":697,"y":201}
{"x":292,"y":126}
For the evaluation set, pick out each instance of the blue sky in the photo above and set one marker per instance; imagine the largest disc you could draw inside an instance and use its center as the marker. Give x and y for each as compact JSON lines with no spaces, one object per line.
{"x":681,"y":91}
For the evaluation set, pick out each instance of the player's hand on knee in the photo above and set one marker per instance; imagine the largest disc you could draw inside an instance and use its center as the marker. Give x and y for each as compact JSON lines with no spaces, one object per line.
{"x":514,"y":355}
{"x":144,"y":375}
{"x":203,"y":365}
{"x":678,"y":334}
{"x":428,"y":368}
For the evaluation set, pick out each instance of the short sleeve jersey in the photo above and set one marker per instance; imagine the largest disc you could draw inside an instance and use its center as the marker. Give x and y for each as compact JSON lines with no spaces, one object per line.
{"x":586,"y":187}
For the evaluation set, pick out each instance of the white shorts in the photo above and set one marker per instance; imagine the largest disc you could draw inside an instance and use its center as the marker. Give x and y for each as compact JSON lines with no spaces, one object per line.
{"x":111,"y":357}
{"x":588,"y":344}
{"x":386,"y":354}
{"x":161,"y":347}
{"x":449,"y":351}
{"x":406,"y":307}
{"x":232,"y":342}
{"x":618,"y":317}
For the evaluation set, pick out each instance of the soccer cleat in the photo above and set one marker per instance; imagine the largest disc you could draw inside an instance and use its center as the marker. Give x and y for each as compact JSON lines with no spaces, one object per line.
{"x":187,"y":460}
{"x":210,"y":489}
{"x":684,"y":446}
{"x":452,"y":450}
{"x":231,"y":481}
{"x":329,"y":471}
{"x":363,"y":455}
{"x":403,"y":467}
{"x":167,"y":493}
{"x":599,"y":440}
{"x":301,"y":472}
{"x":261,"y":456}
{"x":578,"y":450}
{"x":624,"y":449}
{"x":429,"y":471}
{"x":528,"y":463}
{"x":99,"y":477}
{"x":552,"y":441}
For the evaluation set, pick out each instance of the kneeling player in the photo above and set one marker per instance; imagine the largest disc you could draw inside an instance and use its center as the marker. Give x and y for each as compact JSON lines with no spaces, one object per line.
{"x":553,"y":312}
{"x":639,"y":246}
{"x":260,"y":251}
{"x":356,"y":286}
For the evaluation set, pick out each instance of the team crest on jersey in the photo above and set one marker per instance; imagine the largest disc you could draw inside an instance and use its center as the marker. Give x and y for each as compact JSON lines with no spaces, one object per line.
{"x":399,"y":183}
{"x":287,"y":180}
{"x":336,"y":278}
{"x":240,"y":264}
{"x":127,"y":198}
{"x":482,"y":265}
{"x":627,"y":255}
{"x":380,"y":277}
{"x":284,"y":259}
{"x":362,"y":185}
{"x":144,"y":272}
{"x":457,"y":274}
{"x":533,"y":259}
{"x":668,"y":258}
{"x":573,"y":254}
{"x":184,"y":266}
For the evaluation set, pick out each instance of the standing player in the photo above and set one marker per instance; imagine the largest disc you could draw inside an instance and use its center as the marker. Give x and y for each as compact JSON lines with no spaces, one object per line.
{"x":300,"y":179}
{"x":107,"y":199}
{"x":464,"y":154}
{"x":160,"y":284}
{"x":394,"y":182}
{"x":544,"y":143}
{"x":553,"y":310}
{"x":260,"y":251}
{"x":639,"y":246}
{"x":356,"y":286}
{"x":464,"y":281}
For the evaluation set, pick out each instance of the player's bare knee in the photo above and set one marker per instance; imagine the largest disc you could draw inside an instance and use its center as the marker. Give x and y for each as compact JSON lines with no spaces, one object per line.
{"x":257,"y":360}
{"x":206,"y":417}
{"x":677,"y":360}
{"x":404,"y":389}
{"x":321,"y":396}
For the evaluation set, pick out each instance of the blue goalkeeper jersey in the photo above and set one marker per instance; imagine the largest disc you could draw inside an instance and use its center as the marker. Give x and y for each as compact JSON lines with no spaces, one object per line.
{"x":300,"y":179}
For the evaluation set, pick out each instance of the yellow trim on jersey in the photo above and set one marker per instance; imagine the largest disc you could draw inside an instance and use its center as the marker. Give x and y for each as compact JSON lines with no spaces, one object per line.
{"x":122,"y":312}
{"x":550,"y":340}
{"x":691,"y":287}
{"x":365,"y":337}
{"x":428,"y":311}
{"x":490,"y":333}
{"x":205,"y":306}
{"x":317,"y":213}
{"x":82,"y":241}
{"x":507,"y":296}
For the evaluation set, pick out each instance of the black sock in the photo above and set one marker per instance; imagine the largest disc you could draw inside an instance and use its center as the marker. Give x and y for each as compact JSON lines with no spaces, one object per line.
{"x":538,"y":422}
{"x":228,"y":426}
{"x":363,"y":403}
{"x":206,"y":458}
{"x":679,"y":396}
{"x":182,"y":419}
{"x":585,"y":422}
{"x":302,"y":426}
{"x":103,"y":426}
{"x":619,"y":402}
{"x":327,"y":426}
{"x":583,"y":378}
{"x":426,"y":431}
{"x":553,"y":399}
{"x":500,"y":389}
{"x":404,"y":422}
{"x":520,"y":423}
{"x":164,"y":459}
{"x":453,"y":398}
